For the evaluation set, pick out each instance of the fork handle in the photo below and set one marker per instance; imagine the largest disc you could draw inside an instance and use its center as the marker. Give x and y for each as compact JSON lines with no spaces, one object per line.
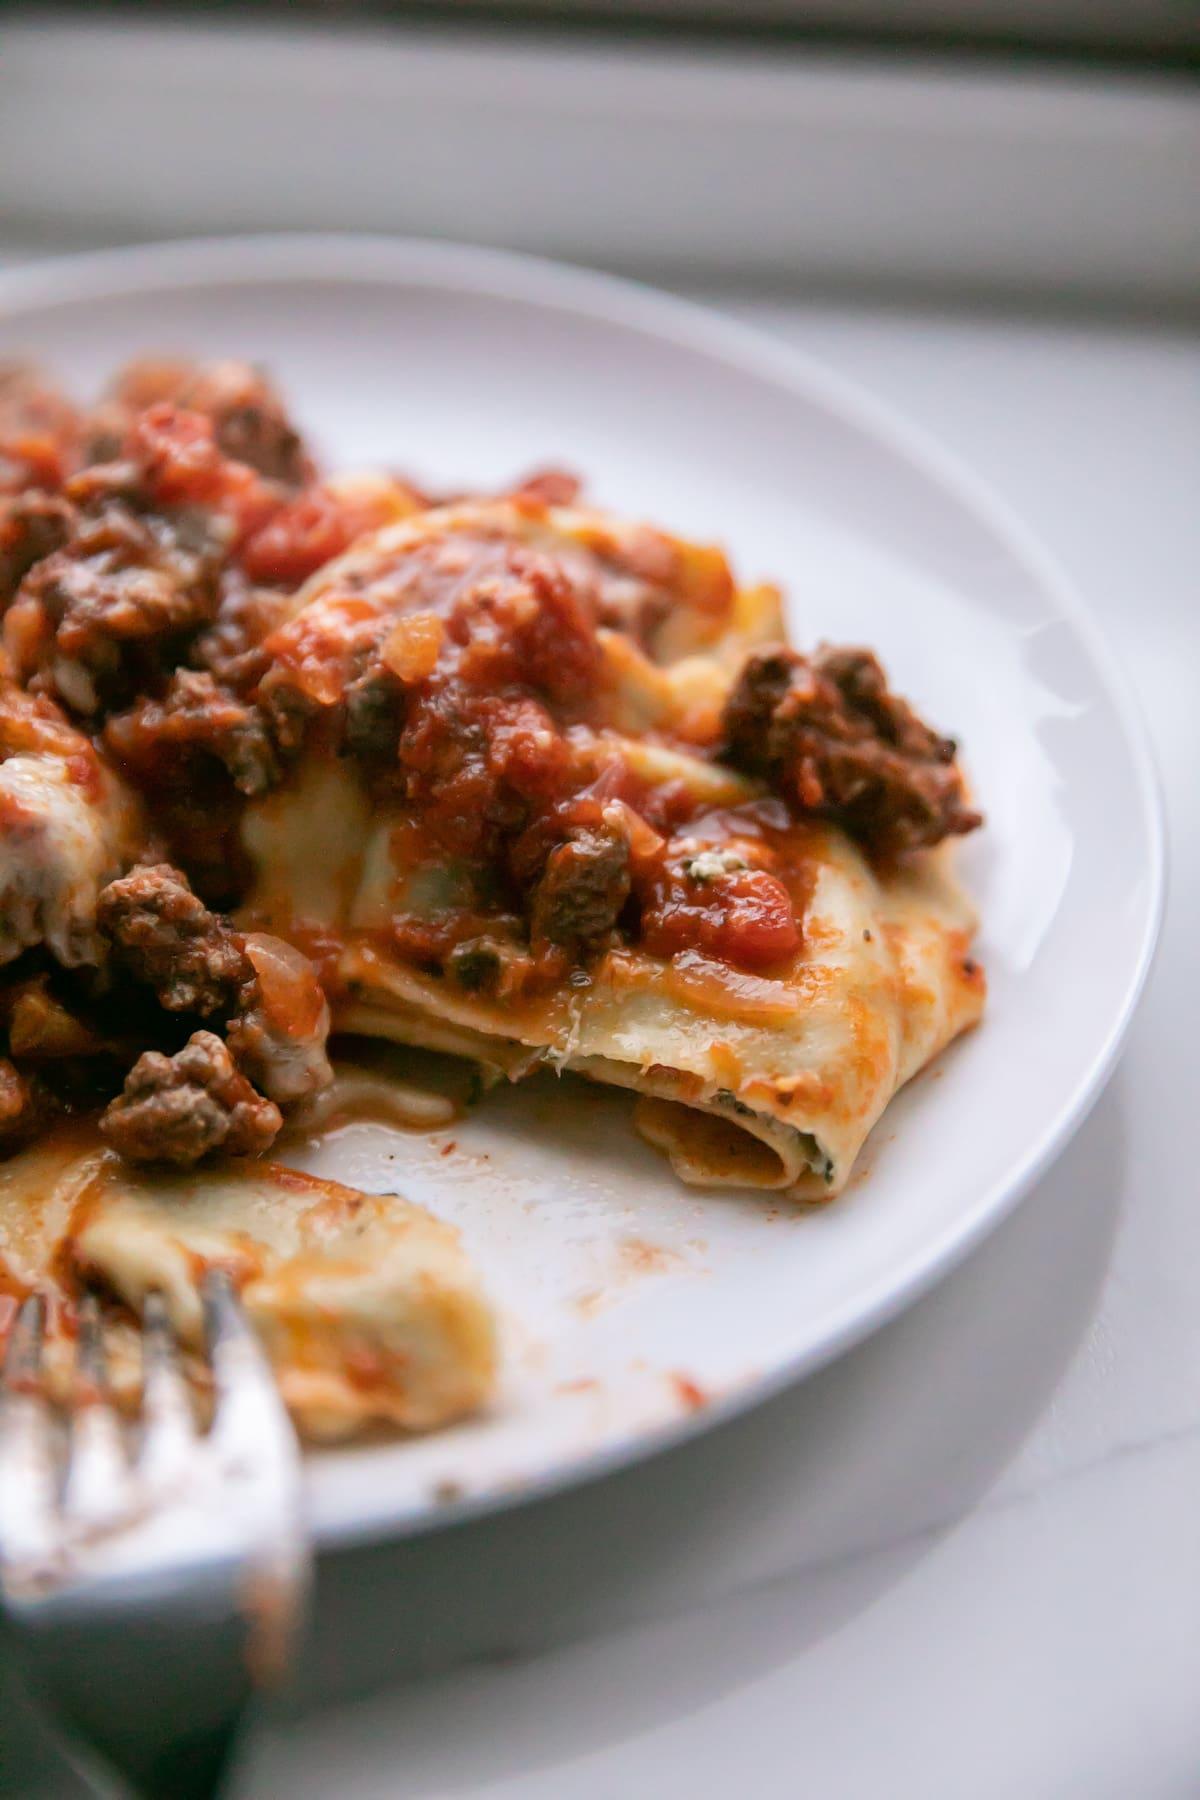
{"x":192,"y":1771}
{"x":187,"y":1667}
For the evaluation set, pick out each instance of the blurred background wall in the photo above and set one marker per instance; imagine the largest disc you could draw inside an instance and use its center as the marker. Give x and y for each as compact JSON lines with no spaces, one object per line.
{"x":1044,"y":151}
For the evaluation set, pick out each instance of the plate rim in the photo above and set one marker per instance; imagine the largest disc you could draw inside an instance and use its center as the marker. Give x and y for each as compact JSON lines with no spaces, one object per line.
{"x":335,"y":257}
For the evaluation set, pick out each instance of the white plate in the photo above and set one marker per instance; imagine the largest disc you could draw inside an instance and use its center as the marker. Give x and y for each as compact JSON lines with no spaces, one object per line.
{"x":624,"y":1295}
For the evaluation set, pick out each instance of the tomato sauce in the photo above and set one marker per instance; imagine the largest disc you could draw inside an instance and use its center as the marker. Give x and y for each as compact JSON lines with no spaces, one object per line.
{"x":744,"y":918}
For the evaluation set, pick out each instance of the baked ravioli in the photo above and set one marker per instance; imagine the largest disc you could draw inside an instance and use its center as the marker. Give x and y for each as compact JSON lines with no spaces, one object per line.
{"x":553,"y":800}
{"x":284,"y":757}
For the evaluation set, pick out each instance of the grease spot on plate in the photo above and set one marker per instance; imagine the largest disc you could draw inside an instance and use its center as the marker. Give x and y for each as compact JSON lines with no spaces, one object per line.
{"x":688,"y":1392}
{"x":638,"y":1257}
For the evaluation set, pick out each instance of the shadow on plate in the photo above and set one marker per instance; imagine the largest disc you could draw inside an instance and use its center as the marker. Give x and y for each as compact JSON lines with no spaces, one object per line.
{"x":829,"y":1494}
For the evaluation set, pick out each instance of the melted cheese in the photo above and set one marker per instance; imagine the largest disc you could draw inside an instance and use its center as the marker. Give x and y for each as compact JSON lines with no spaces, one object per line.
{"x":60,"y":842}
{"x":306,"y":843}
{"x":678,"y":595}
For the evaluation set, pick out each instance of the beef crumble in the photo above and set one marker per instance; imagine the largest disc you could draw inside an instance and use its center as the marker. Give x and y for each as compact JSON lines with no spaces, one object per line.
{"x":832,"y":737}
{"x":92,"y":621}
{"x":264,"y":991}
{"x":167,"y":938}
{"x":177,"y":1109}
{"x":374,"y":719}
{"x":167,"y":741}
{"x":32,"y":526}
{"x":578,"y":898}
{"x":250,"y":421}
{"x":121,"y":569}
{"x":229,"y":648}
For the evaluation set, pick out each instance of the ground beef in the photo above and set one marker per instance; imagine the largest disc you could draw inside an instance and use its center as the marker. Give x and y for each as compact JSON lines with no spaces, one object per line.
{"x":374,"y":718}
{"x":476,"y":965}
{"x":151,"y":553}
{"x":32,"y":526}
{"x":97,"y":607}
{"x":229,"y":647}
{"x":289,"y":714}
{"x":167,"y":938}
{"x":583,"y":887}
{"x":757,"y":734}
{"x":118,"y":482}
{"x":176,"y":1109}
{"x":830,"y":735}
{"x":494,"y":965}
{"x":248,"y":415}
{"x":103,"y":432}
{"x":253,"y":428}
{"x":161,"y":742}
{"x":93,"y":621}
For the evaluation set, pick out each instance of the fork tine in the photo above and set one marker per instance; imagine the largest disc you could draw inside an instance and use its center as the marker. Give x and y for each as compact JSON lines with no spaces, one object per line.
{"x":169,"y":1427}
{"x":97,"y":1486}
{"x":254,"y":1443}
{"x":250,"y":1421}
{"x":28,"y":1484}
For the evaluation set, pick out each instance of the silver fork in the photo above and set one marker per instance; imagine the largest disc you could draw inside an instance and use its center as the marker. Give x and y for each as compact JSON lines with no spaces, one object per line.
{"x":148,"y":1600}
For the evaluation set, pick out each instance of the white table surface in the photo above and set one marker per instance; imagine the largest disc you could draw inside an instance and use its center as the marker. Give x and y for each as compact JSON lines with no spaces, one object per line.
{"x":965,"y":1560}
